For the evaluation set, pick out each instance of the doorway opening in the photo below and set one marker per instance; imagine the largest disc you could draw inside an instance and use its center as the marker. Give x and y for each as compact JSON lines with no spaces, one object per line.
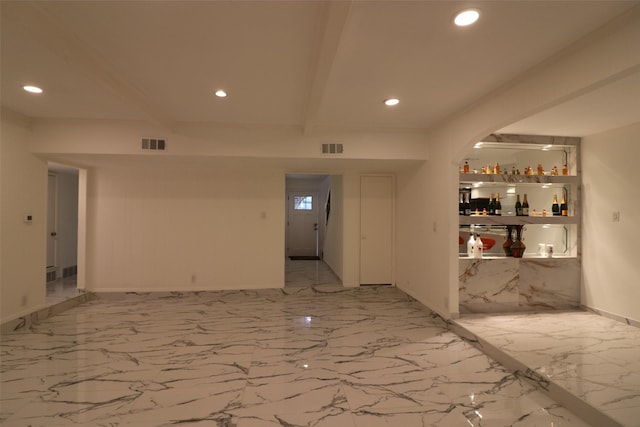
{"x":313,"y":230}
{"x":66,"y":187}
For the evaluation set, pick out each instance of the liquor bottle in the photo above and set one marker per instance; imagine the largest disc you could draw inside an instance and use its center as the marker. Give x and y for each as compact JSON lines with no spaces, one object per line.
{"x":525,"y":206}
{"x":518,"y":206}
{"x":467,"y":204}
{"x":466,"y":167}
{"x":565,"y":170}
{"x":461,"y":204}
{"x":491,"y":209}
{"x":497,"y":205}
{"x":563,"y":206}
{"x":555,"y":207}
{"x":540,"y":169}
{"x":554,"y":172}
{"x":513,"y":170}
{"x":496,"y":169}
{"x":470,"y":244}
{"x":478,"y":247}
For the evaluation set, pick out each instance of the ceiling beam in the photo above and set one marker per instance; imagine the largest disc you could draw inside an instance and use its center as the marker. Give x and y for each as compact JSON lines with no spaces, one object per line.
{"x":329,"y":33}
{"x":52,"y":33}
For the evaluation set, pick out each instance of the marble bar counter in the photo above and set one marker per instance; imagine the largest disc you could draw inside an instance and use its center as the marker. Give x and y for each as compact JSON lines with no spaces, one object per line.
{"x":501,"y":285}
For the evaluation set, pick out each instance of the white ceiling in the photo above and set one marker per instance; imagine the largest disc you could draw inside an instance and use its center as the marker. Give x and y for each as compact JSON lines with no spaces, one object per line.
{"x":305,"y":64}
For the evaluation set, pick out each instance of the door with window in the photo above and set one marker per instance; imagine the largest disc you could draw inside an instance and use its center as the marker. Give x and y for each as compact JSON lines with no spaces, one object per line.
{"x":302,"y":224}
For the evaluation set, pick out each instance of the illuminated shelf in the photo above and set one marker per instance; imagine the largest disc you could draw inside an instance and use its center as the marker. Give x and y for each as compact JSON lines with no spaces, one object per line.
{"x":518,"y":220}
{"x":473,"y":178}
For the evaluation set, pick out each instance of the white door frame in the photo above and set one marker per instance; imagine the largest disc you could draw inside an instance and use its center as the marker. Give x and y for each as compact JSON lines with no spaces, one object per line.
{"x":51,"y":242}
{"x":81,"y":260}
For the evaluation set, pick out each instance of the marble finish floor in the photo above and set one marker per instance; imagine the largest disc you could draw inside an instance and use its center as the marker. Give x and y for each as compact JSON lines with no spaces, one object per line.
{"x":61,"y":290}
{"x":308,"y":273}
{"x":577,"y":355}
{"x":304,"y":356}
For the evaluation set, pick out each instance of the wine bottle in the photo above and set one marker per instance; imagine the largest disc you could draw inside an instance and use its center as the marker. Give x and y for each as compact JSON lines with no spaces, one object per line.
{"x":555,"y":207}
{"x":525,"y":206}
{"x":518,"y":206}
{"x":563,"y":206}
{"x":497,"y":205}
{"x":491,"y":209}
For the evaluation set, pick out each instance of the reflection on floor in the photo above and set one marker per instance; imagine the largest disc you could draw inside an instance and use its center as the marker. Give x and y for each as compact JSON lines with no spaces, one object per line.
{"x":589,"y":362}
{"x":62,"y":290}
{"x":311,"y":355}
{"x":307,"y":273}
{"x":304,"y":356}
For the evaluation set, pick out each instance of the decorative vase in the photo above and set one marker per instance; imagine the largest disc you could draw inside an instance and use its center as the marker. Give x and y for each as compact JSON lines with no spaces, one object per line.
{"x":518,"y":247}
{"x":506,"y":246}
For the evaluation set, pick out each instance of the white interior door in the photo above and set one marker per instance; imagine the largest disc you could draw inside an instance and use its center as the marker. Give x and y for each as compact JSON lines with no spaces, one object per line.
{"x":51,"y":221}
{"x":302,"y":224}
{"x":376,"y":230}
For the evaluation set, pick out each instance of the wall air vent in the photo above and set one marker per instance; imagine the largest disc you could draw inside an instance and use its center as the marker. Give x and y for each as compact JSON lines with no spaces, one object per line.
{"x":154,"y":144}
{"x":332,"y":149}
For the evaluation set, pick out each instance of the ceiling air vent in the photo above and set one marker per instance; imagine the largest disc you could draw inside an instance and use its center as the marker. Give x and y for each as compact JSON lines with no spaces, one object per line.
{"x":332,"y":149}
{"x":154,"y":144}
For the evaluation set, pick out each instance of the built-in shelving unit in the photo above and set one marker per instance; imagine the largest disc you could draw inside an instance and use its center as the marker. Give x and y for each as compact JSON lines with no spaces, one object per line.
{"x":501,"y":283}
{"x":516,"y":153}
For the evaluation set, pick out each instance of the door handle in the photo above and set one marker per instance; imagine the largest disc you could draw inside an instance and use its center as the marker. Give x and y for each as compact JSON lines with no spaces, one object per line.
{"x":315,"y":226}
{"x":54,"y":234}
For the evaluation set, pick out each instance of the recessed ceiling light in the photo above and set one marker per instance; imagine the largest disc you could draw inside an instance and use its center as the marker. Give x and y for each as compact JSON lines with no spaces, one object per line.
{"x":466,"y":17}
{"x":32,"y":89}
{"x":221,"y":93}
{"x":391,"y":102}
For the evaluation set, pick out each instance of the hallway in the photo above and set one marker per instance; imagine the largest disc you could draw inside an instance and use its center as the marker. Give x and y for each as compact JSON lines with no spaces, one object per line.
{"x":308,"y":273}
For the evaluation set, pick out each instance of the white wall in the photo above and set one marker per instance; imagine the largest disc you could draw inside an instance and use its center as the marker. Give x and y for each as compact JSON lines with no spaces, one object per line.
{"x":178,"y":226}
{"x":603,"y":57}
{"x":414,"y":217}
{"x":333,"y":251}
{"x":23,"y":181}
{"x":610,"y":249}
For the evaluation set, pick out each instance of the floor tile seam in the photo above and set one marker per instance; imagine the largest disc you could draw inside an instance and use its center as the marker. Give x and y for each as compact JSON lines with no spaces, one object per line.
{"x":549,"y":386}
{"x":562,"y":342}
